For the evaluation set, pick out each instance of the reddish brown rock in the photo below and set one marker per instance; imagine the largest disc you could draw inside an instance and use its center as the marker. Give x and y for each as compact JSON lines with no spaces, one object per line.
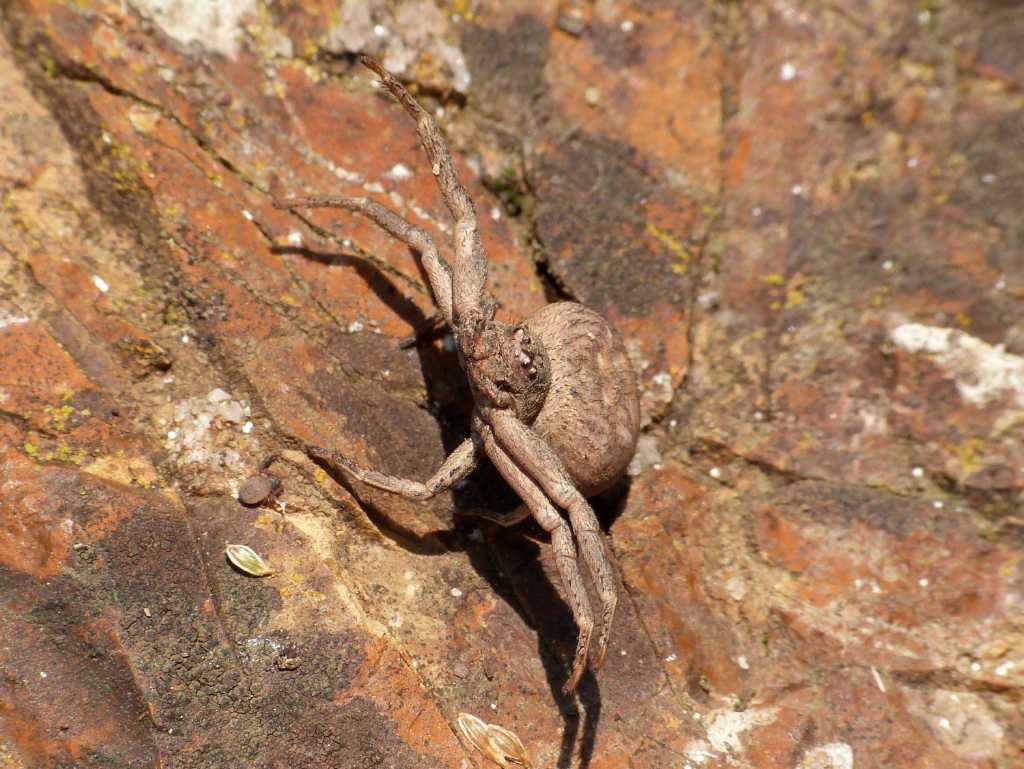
{"x":805,"y":220}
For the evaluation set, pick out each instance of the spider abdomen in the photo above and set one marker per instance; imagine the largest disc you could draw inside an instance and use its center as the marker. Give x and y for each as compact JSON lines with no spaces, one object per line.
{"x":591,"y":415}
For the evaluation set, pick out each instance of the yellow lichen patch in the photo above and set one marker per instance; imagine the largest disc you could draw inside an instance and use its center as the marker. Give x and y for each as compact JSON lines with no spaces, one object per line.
{"x":320,"y":476}
{"x":969,"y":454}
{"x":46,"y":61}
{"x":795,"y":297}
{"x":774,"y":279}
{"x":65,"y":453}
{"x":59,"y":416}
{"x":461,"y":8}
{"x":673,"y":244}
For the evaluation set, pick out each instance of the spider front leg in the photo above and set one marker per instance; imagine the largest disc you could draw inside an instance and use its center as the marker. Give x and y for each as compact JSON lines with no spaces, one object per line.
{"x":542,"y":465}
{"x":459,"y":464}
{"x":561,"y":542}
{"x":438,"y":272}
{"x":470,"y":301}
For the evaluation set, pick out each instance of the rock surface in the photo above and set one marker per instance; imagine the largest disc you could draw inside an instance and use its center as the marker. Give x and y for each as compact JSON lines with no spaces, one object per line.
{"x":805,"y":217}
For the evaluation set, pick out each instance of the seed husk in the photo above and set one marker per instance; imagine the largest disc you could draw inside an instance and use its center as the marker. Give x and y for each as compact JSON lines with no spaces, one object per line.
{"x":247,"y":560}
{"x":496,"y":742}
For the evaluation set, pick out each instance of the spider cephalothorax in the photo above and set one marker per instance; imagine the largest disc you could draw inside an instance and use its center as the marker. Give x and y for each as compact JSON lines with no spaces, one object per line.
{"x":507,"y":369}
{"x":555,"y":399}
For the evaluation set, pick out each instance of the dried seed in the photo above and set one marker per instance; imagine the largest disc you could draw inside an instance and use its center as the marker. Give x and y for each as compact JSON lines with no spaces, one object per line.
{"x":507,"y":744}
{"x":474,"y":730}
{"x":496,"y":742}
{"x":247,"y":560}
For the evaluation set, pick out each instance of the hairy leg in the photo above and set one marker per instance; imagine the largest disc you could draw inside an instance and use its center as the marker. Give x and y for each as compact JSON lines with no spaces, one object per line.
{"x":539,"y":461}
{"x":456,"y":467}
{"x":471,"y":302}
{"x":561,"y":543}
{"x":438,"y":272}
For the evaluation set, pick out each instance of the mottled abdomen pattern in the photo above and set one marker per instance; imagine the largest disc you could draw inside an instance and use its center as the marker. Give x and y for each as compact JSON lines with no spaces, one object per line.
{"x":591,"y":416}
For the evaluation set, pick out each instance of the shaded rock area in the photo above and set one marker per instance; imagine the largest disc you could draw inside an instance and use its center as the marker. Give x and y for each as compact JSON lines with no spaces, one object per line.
{"x":804,"y":216}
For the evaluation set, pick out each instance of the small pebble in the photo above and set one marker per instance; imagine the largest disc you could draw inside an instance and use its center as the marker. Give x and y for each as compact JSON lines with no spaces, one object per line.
{"x":572,"y":24}
{"x":255,"y":489}
{"x":787,"y":71}
{"x":399,"y":171}
{"x":217,"y":395}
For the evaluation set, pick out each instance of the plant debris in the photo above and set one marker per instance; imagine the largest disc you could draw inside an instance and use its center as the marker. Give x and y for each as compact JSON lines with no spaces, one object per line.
{"x":247,"y":560}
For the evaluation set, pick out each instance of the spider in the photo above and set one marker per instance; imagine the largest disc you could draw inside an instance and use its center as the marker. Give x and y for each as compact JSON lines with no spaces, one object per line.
{"x":556,"y":408}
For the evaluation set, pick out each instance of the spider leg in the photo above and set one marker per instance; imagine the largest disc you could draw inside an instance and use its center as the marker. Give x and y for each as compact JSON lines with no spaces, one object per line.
{"x":539,"y":461}
{"x":471,"y":303}
{"x":561,"y":542}
{"x":511,"y":518}
{"x":438,"y":272}
{"x":456,"y":467}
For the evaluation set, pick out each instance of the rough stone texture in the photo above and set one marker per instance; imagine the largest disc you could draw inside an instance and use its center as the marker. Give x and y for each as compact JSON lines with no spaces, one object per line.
{"x":806,"y":218}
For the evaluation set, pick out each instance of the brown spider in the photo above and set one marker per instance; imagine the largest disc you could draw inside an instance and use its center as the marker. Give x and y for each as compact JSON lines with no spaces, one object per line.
{"x":555,"y":398}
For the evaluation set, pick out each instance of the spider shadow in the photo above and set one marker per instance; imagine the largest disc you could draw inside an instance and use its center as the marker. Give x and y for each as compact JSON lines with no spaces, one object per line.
{"x":379,"y":282}
{"x":441,"y":372}
{"x":513,"y":564}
